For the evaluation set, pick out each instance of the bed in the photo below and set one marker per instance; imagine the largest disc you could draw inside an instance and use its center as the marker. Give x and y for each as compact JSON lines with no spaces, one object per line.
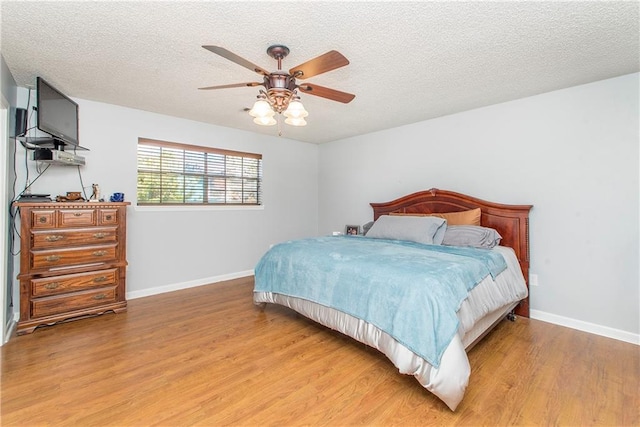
{"x":422,"y":303}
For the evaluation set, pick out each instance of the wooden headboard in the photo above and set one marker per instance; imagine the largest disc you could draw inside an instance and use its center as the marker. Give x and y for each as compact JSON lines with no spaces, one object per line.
{"x":511,"y":221}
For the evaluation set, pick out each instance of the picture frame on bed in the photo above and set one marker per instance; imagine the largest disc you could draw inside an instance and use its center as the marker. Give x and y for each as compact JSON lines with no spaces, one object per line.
{"x":352,"y":230}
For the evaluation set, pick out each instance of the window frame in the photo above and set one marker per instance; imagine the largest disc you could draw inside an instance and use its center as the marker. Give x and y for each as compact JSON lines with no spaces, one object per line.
{"x":206,"y":175}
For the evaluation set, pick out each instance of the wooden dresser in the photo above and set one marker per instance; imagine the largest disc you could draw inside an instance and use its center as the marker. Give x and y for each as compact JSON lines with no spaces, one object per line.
{"x":72,"y":261}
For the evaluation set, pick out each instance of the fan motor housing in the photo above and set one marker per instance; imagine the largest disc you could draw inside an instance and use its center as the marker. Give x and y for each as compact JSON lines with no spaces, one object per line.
{"x":280,"y":80}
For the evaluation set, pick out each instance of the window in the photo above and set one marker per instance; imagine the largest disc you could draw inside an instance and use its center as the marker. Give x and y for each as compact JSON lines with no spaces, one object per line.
{"x":178,"y":174}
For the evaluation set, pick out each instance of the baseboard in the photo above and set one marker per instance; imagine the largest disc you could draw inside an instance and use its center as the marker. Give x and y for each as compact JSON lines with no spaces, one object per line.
{"x":187,"y":285}
{"x":592,"y":328}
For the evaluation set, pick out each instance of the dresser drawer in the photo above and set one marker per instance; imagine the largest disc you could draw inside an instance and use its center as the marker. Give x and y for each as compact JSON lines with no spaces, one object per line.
{"x":60,"y":238}
{"x":64,"y":257}
{"x":48,"y":306}
{"x":76,"y":217}
{"x":73,"y":282}
{"x":108,"y":216}
{"x":43,"y":218}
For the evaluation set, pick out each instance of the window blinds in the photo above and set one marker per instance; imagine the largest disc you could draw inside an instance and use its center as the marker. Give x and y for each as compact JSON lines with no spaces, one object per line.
{"x":179,"y":174}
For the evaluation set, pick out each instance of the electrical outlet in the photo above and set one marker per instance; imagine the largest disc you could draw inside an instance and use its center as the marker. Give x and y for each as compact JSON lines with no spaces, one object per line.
{"x":533,"y":279}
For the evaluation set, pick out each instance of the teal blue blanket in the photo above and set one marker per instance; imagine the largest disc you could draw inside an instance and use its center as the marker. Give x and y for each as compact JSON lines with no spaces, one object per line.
{"x":409,"y":290}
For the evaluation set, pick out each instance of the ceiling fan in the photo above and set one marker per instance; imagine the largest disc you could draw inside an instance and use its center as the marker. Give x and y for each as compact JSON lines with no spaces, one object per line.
{"x":280,"y":94}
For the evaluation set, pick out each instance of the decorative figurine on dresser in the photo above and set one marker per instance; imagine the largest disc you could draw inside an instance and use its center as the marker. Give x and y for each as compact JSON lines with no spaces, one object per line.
{"x":72,"y":261}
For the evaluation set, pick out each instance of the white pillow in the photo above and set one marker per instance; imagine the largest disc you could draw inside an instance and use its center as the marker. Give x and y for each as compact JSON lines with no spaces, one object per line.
{"x":426,"y":229}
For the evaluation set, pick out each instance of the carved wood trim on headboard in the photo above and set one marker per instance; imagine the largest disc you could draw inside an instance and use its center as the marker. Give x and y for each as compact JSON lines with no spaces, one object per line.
{"x":511,"y":221}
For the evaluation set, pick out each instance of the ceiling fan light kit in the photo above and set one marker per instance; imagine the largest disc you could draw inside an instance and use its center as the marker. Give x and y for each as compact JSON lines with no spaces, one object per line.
{"x":280,"y":94}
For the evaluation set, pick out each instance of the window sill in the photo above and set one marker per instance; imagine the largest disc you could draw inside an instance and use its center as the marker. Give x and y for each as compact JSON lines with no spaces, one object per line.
{"x":178,"y":208}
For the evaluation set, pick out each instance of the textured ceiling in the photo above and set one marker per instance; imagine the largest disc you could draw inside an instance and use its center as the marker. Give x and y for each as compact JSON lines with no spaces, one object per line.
{"x":410,"y":61}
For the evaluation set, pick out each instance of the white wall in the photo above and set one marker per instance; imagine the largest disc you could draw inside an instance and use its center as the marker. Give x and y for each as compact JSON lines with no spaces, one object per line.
{"x":6,"y":313}
{"x":8,"y":91}
{"x":572,"y":153}
{"x":168,"y":249}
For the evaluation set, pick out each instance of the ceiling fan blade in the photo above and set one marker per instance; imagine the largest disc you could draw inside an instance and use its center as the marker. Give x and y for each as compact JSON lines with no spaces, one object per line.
{"x":237,"y":59}
{"x":318,"y":65}
{"x":251,"y":84}
{"x":325,"y":92}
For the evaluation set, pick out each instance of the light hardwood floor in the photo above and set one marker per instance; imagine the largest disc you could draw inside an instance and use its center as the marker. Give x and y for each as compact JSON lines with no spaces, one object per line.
{"x":208,"y":356}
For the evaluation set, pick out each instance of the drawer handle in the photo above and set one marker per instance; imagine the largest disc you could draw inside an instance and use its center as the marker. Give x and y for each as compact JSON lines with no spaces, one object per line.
{"x":53,"y":238}
{"x":99,"y":296}
{"x":109,"y":217}
{"x":52,"y":285}
{"x":100,"y":279}
{"x":77,"y":214}
{"x":99,"y":253}
{"x":42,"y":219}
{"x":100,"y":235}
{"x":53,"y":258}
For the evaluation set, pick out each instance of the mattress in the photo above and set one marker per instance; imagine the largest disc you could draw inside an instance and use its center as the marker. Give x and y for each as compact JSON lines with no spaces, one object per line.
{"x":486,"y":303}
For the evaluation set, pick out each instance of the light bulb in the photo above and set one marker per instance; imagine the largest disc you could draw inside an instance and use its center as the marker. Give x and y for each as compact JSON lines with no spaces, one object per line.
{"x":265,"y":121}
{"x":261,"y":108}
{"x":296,"y":110}
{"x":296,"y":121}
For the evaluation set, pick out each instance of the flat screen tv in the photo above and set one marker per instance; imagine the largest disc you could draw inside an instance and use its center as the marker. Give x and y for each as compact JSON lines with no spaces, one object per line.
{"x":57,"y":114}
